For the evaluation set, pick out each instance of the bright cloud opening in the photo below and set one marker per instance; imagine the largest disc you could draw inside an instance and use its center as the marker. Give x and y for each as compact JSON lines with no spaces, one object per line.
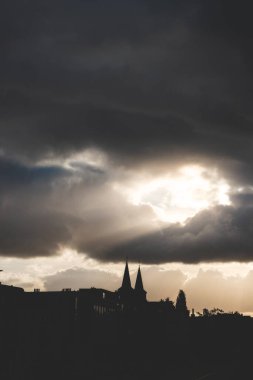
{"x":179,"y":195}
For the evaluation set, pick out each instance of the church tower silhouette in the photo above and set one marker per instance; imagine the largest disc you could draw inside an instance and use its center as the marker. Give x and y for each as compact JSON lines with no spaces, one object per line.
{"x":126,"y":292}
{"x":140,"y":293}
{"x":128,"y":296}
{"x":126,"y":283}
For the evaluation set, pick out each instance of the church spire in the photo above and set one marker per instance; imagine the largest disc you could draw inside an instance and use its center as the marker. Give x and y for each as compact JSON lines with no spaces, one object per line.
{"x":140,"y":293}
{"x":139,"y":283}
{"x":126,"y":283}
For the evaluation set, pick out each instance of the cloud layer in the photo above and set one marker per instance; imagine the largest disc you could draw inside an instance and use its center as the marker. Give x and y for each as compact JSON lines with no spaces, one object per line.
{"x":140,"y":80}
{"x":148,"y":87}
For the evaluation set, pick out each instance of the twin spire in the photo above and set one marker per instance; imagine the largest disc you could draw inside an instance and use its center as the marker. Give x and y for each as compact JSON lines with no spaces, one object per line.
{"x":139,"y":283}
{"x":126,"y":283}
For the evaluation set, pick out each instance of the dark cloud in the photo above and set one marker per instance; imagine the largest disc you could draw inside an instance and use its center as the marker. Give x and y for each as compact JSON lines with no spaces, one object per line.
{"x":25,"y":233}
{"x":46,"y":208}
{"x":29,"y":226}
{"x":139,"y":79}
{"x":220,"y":234}
{"x":151,"y":84}
{"x":242,"y":198}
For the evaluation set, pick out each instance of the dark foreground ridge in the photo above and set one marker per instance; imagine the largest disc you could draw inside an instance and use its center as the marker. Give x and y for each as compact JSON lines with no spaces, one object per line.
{"x":98,"y":334}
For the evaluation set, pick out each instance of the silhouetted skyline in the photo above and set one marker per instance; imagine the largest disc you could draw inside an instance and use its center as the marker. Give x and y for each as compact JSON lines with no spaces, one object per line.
{"x":93,"y":333}
{"x":97,"y":301}
{"x":126,"y":130}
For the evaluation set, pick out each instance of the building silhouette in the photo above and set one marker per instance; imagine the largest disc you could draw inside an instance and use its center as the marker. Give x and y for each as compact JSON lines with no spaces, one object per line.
{"x":96,"y":333}
{"x":125,"y":293}
{"x":83,"y":303}
{"x":130,"y":297}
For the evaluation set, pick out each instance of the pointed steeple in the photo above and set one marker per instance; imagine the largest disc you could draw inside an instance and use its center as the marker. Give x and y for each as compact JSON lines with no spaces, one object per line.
{"x":140,"y":293}
{"x":126,"y":283}
{"x":139,"y":283}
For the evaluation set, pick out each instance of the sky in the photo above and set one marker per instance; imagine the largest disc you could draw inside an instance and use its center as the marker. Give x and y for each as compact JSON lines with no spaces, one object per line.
{"x":126,"y":131}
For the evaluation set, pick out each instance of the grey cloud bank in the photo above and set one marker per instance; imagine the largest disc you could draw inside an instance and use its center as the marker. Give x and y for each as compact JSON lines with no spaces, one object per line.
{"x":221,"y":234}
{"x":151,"y":85}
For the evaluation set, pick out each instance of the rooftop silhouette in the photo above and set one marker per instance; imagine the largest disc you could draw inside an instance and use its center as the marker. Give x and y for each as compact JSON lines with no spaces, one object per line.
{"x":91,"y":333}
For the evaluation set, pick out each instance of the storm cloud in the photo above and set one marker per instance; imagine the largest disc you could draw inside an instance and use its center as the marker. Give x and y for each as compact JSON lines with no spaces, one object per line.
{"x":136,"y":79}
{"x":220,"y":234}
{"x":147,"y":85}
{"x":46,"y":208}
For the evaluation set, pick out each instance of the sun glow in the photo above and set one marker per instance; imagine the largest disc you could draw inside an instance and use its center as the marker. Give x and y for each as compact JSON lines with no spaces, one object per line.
{"x":181,"y":194}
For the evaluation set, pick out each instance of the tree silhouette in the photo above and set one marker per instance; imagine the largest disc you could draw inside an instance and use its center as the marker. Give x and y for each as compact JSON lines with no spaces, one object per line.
{"x":181,"y":306}
{"x":219,"y":313}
